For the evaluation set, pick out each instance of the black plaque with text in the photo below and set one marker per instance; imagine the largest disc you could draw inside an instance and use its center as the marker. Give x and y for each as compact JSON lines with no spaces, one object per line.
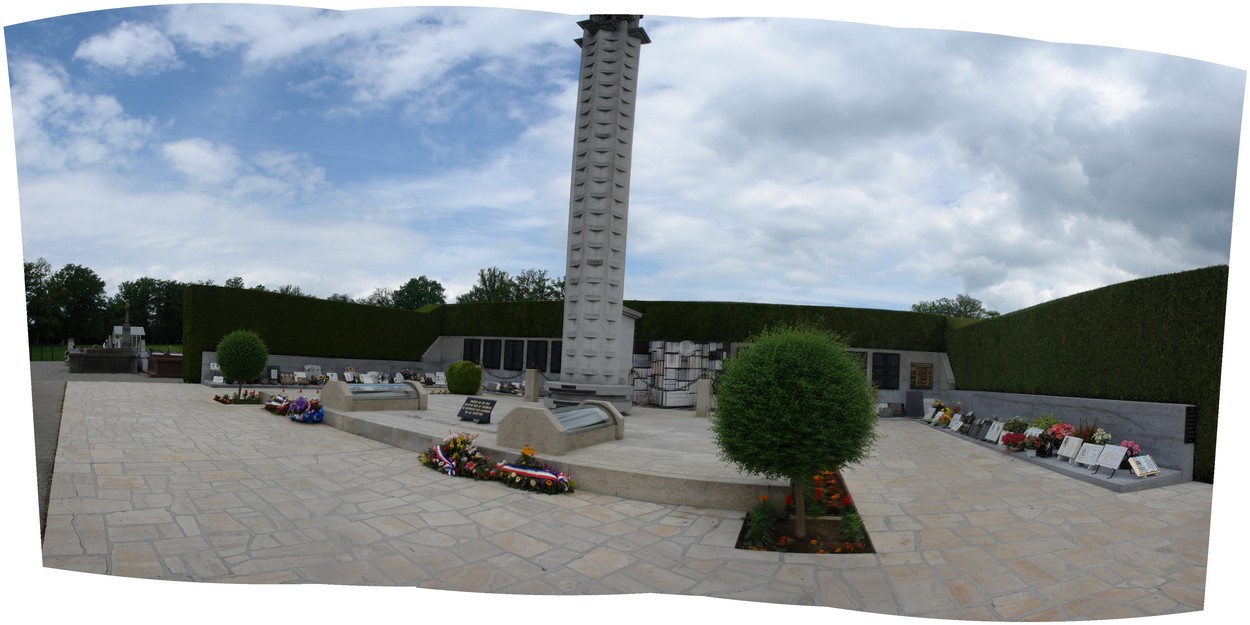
{"x":477,"y":409}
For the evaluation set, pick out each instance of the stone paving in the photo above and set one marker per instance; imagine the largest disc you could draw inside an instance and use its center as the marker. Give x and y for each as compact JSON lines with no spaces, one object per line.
{"x":160,"y":482}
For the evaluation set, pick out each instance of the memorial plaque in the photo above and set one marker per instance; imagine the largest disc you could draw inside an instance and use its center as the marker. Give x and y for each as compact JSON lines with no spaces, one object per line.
{"x":956,"y":421}
{"x":966,"y":426}
{"x":219,"y":379}
{"x":1143,"y":466}
{"x":922,"y":375}
{"x":1088,"y":455}
{"x":286,"y":377}
{"x":1111,"y":456}
{"x":1032,"y":432}
{"x":996,"y":432}
{"x":477,"y":409}
{"x":1069,"y":447}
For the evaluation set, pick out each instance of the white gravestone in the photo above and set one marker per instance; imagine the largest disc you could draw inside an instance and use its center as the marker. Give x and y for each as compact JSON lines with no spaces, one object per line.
{"x":1088,"y":455}
{"x":1111,"y":457}
{"x":1069,"y":447}
{"x":956,"y":421}
{"x":996,"y":432}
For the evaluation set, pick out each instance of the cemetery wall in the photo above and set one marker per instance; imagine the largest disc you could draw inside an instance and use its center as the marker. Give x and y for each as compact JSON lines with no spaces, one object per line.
{"x":1157,"y":339}
{"x":1162,"y":429}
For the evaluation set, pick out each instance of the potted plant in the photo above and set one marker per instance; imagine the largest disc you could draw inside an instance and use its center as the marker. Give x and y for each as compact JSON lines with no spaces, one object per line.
{"x":1013,"y":441}
{"x":1016,"y":425}
{"x":1134,"y":450}
{"x":1032,"y":444}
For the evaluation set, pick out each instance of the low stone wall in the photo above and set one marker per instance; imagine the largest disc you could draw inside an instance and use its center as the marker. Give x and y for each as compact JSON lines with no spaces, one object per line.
{"x":1160,"y":429}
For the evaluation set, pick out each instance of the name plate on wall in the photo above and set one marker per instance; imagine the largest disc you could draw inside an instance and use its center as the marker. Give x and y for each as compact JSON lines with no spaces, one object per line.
{"x":996,"y":432}
{"x":1111,"y":456}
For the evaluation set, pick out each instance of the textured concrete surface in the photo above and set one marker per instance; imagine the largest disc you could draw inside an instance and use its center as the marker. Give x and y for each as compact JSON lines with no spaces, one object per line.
{"x":156,"y":481}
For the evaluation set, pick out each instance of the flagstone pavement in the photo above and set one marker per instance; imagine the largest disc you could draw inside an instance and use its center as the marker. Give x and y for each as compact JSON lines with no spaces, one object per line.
{"x":157,"y":481}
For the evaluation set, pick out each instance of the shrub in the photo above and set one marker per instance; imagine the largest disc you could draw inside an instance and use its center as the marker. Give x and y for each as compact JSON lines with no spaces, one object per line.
{"x":759,"y":526}
{"x":852,"y":527}
{"x":793,"y":404}
{"x":464,"y":378}
{"x":242,"y":356}
{"x":1016,"y":425}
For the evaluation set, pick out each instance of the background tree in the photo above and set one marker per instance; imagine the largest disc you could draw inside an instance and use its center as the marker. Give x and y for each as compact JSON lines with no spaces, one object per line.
{"x":418,"y":292}
{"x":234,"y":283}
{"x":242,"y":356}
{"x":791,"y":405}
{"x":533,"y":285}
{"x":78,"y":300}
{"x":290,"y":289}
{"x":963,"y":305}
{"x":493,"y":285}
{"x":380,"y":296}
{"x":41,"y":320}
{"x":339,"y":297}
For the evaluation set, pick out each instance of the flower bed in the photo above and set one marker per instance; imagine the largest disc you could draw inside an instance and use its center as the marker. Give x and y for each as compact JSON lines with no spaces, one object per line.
{"x":833,"y":525}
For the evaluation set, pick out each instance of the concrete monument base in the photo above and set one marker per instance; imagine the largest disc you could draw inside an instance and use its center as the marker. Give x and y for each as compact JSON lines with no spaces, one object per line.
{"x":104,"y":360}
{"x":570,"y":394}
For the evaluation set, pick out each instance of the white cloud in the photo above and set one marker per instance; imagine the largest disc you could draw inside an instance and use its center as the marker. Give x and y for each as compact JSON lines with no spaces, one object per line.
{"x":201,"y":161}
{"x":131,"y":48}
{"x":56,"y":128}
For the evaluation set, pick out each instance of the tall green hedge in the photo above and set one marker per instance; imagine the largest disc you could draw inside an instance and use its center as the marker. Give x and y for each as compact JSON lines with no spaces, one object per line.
{"x":1155,"y":339}
{"x":302,"y":326}
{"x":735,"y":321}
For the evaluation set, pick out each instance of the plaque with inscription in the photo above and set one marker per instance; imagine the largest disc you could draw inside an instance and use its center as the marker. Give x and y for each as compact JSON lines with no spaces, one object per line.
{"x":477,"y":409}
{"x":286,"y":377}
{"x":956,"y":421}
{"x":1143,"y":466}
{"x":921,"y":375}
{"x":995,"y":432}
{"x":1111,"y":457}
{"x":1069,"y":447}
{"x":217,"y":379}
{"x":1088,"y":455}
{"x":1032,"y":432}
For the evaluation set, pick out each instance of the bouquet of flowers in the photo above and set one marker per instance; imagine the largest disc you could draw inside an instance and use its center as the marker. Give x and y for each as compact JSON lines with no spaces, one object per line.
{"x":306,"y":411}
{"x":1134,"y":449}
{"x":458,"y":455}
{"x":1100,"y":437}
{"x":527,"y":473}
{"x":1059,"y":430}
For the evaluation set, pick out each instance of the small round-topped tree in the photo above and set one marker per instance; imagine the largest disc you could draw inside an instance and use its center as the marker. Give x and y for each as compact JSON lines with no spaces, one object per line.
{"x":242,"y":356}
{"x":792,"y":404}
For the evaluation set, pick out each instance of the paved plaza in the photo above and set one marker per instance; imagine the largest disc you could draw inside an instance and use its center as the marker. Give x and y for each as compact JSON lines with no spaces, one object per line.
{"x":157,"y":481}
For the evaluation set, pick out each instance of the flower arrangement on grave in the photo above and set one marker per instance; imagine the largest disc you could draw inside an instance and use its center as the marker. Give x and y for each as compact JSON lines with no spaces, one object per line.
{"x":305,"y":410}
{"x":321,"y":379}
{"x":1100,"y":437}
{"x":1032,"y":442}
{"x":1059,"y":431}
{"x":247,"y":397}
{"x":528,"y":473}
{"x":458,"y":455}
{"x":278,"y":404}
{"x":1013,"y":440}
{"x":1134,"y":449}
{"x":944,"y":419}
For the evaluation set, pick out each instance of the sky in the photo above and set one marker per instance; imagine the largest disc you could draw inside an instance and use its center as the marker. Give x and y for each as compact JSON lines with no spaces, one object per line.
{"x":875,"y":156}
{"x":783,"y":160}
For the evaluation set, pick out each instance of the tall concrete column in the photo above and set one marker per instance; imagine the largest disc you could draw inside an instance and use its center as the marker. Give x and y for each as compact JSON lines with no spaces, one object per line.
{"x":597,"y":341}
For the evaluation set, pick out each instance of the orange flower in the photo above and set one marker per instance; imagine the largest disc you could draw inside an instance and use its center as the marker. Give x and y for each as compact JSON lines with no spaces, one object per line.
{"x":763,"y":498}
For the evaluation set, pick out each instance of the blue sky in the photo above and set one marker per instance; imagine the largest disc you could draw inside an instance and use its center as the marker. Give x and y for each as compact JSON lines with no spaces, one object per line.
{"x":778,"y":160}
{"x":845,"y":160}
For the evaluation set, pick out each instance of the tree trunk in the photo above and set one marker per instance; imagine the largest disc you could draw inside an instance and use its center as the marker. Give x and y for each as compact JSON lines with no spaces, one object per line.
{"x":800,"y":509}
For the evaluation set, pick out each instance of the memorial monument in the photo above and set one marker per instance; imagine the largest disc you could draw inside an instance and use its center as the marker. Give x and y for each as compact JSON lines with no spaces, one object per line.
{"x":598,"y":332}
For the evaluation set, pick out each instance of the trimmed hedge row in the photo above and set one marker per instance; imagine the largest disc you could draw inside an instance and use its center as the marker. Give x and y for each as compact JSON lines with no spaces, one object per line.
{"x":302,"y":326}
{"x":736,"y":321}
{"x":1155,"y":339}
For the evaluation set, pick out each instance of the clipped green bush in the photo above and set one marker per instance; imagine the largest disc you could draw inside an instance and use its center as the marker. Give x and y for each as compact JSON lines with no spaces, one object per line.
{"x":242,"y":356}
{"x":791,"y":405}
{"x":464,"y":378}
